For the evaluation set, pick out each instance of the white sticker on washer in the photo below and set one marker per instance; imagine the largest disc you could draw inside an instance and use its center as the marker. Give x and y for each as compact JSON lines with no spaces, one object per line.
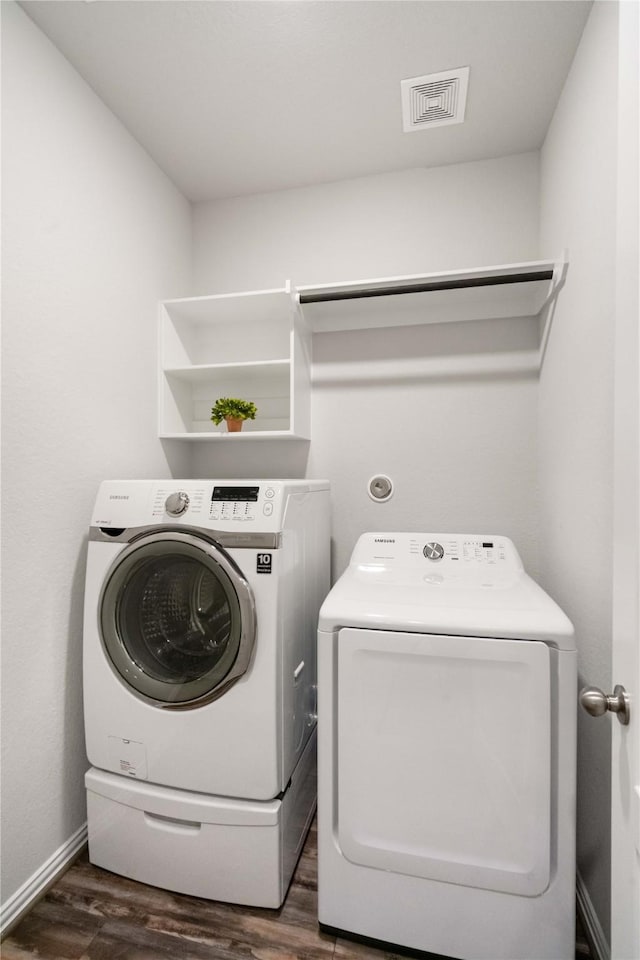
{"x":128,"y":757}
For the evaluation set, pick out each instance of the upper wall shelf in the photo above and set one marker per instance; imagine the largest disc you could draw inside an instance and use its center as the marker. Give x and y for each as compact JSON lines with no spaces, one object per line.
{"x":250,"y":345}
{"x":257,"y":345}
{"x":511,"y":290}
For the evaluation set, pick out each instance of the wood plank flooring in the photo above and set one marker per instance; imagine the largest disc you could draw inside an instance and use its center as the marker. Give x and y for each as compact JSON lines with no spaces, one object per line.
{"x":90,"y":914}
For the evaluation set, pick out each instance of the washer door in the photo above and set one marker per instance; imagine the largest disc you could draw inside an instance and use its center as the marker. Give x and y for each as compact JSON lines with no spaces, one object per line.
{"x":177,"y":619}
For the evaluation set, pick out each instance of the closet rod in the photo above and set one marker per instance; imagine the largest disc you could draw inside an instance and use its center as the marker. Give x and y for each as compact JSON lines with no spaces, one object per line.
{"x":427,"y":287}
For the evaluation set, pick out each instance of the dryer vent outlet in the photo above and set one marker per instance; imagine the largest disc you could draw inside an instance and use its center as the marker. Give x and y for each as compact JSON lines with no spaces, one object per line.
{"x":435,"y":100}
{"x":380,"y":488}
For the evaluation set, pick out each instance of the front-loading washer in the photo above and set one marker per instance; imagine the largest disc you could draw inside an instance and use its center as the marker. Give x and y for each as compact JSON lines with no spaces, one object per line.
{"x":446,"y":759}
{"x":201,"y":607}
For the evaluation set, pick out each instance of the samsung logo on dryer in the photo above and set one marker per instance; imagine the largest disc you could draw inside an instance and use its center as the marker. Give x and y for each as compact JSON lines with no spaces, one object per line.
{"x":383,"y":540}
{"x":119,"y":496}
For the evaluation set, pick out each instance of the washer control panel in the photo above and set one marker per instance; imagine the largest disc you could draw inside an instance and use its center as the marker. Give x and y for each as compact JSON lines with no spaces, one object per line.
{"x":220,"y":503}
{"x":235,"y":503}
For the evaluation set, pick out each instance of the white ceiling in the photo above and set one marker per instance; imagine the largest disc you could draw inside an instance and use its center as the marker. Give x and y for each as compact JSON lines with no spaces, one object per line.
{"x":233,"y":97}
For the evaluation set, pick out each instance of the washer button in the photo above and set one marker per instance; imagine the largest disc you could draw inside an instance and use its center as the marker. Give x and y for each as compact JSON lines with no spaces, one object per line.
{"x":270,"y":493}
{"x":267,"y":509}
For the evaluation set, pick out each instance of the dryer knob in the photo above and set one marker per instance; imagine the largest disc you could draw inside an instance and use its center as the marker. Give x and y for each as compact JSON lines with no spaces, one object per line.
{"x":433,"y":551}
{"x":177,"y":503}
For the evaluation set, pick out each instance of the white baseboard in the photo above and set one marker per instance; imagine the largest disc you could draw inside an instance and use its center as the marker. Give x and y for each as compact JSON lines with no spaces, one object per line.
{"x":39,"y":882}
{"x":593,"y":930}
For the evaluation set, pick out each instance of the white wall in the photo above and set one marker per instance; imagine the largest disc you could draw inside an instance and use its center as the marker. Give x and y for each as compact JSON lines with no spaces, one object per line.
{"x":414,"y":221}
{"x":578,"y":211}
{"x":461,"y":447}
{"x":93,"y":236}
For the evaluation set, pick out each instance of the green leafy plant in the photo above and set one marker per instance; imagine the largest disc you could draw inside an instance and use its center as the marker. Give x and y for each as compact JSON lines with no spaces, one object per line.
{"x":234,"y":408}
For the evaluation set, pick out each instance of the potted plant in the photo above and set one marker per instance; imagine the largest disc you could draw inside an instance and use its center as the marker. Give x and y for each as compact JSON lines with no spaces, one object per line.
{"x":234,"y":411}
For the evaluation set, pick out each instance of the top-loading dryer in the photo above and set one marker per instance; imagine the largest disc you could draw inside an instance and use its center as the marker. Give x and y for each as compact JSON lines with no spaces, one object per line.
{"x":446,"y":759}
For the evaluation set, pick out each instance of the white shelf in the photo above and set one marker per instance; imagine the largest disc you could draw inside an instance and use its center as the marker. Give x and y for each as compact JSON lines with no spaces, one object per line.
{"x":250,"y":345}
{"x":257,"y":345}
{"x":231,"y":372}
{"x":243,"y":437}
{"x":508,"y":290}
{"x":225,"y":308}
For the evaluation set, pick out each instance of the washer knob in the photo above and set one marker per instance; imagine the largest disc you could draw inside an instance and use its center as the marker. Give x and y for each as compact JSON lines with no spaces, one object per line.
{"x":433,"y":551}
{"x":177,"y":503}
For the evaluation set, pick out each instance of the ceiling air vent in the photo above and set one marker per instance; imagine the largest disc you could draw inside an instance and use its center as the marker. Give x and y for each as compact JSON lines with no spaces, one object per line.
{"x":435,"y":100}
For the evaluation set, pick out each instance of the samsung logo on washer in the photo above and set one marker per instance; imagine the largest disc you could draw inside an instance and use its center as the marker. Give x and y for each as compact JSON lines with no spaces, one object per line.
{"x":119,"y":496}
{"x":382,"y":540}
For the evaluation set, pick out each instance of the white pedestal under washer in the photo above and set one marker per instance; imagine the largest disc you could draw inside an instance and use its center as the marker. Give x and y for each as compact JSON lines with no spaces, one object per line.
{"x":446,"y":765}
{"x":201,"y":609}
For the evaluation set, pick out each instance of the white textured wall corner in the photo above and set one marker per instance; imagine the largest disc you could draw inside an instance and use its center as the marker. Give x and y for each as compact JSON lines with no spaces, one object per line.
{"x":437,"y":408}
{"x":578,"y":211}
{"x":93,"y":235}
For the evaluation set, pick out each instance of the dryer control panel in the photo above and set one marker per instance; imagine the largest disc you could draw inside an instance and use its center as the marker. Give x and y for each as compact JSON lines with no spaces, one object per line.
{"x":478,"y":549}
{"x":436,"y":551}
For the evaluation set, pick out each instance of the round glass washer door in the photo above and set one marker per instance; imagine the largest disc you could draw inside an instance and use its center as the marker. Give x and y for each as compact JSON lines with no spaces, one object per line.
{"x":177,"y":619}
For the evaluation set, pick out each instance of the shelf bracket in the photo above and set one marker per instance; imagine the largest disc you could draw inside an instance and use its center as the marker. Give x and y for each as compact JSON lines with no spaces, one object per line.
{"x":548,"y":308}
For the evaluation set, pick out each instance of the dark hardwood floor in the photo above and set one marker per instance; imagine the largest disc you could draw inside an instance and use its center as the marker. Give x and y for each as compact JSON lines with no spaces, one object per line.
{"x":90,"y":914}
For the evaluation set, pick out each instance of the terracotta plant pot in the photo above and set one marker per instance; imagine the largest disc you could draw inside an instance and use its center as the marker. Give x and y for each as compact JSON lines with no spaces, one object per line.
{"x":233,"y":425}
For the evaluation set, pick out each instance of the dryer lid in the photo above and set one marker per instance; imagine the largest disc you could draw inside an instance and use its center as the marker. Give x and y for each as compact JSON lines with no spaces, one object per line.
{"x":467,"y":585}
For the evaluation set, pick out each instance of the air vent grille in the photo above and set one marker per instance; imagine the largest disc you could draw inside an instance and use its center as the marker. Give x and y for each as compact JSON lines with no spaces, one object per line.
{"x":435,"y":100}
